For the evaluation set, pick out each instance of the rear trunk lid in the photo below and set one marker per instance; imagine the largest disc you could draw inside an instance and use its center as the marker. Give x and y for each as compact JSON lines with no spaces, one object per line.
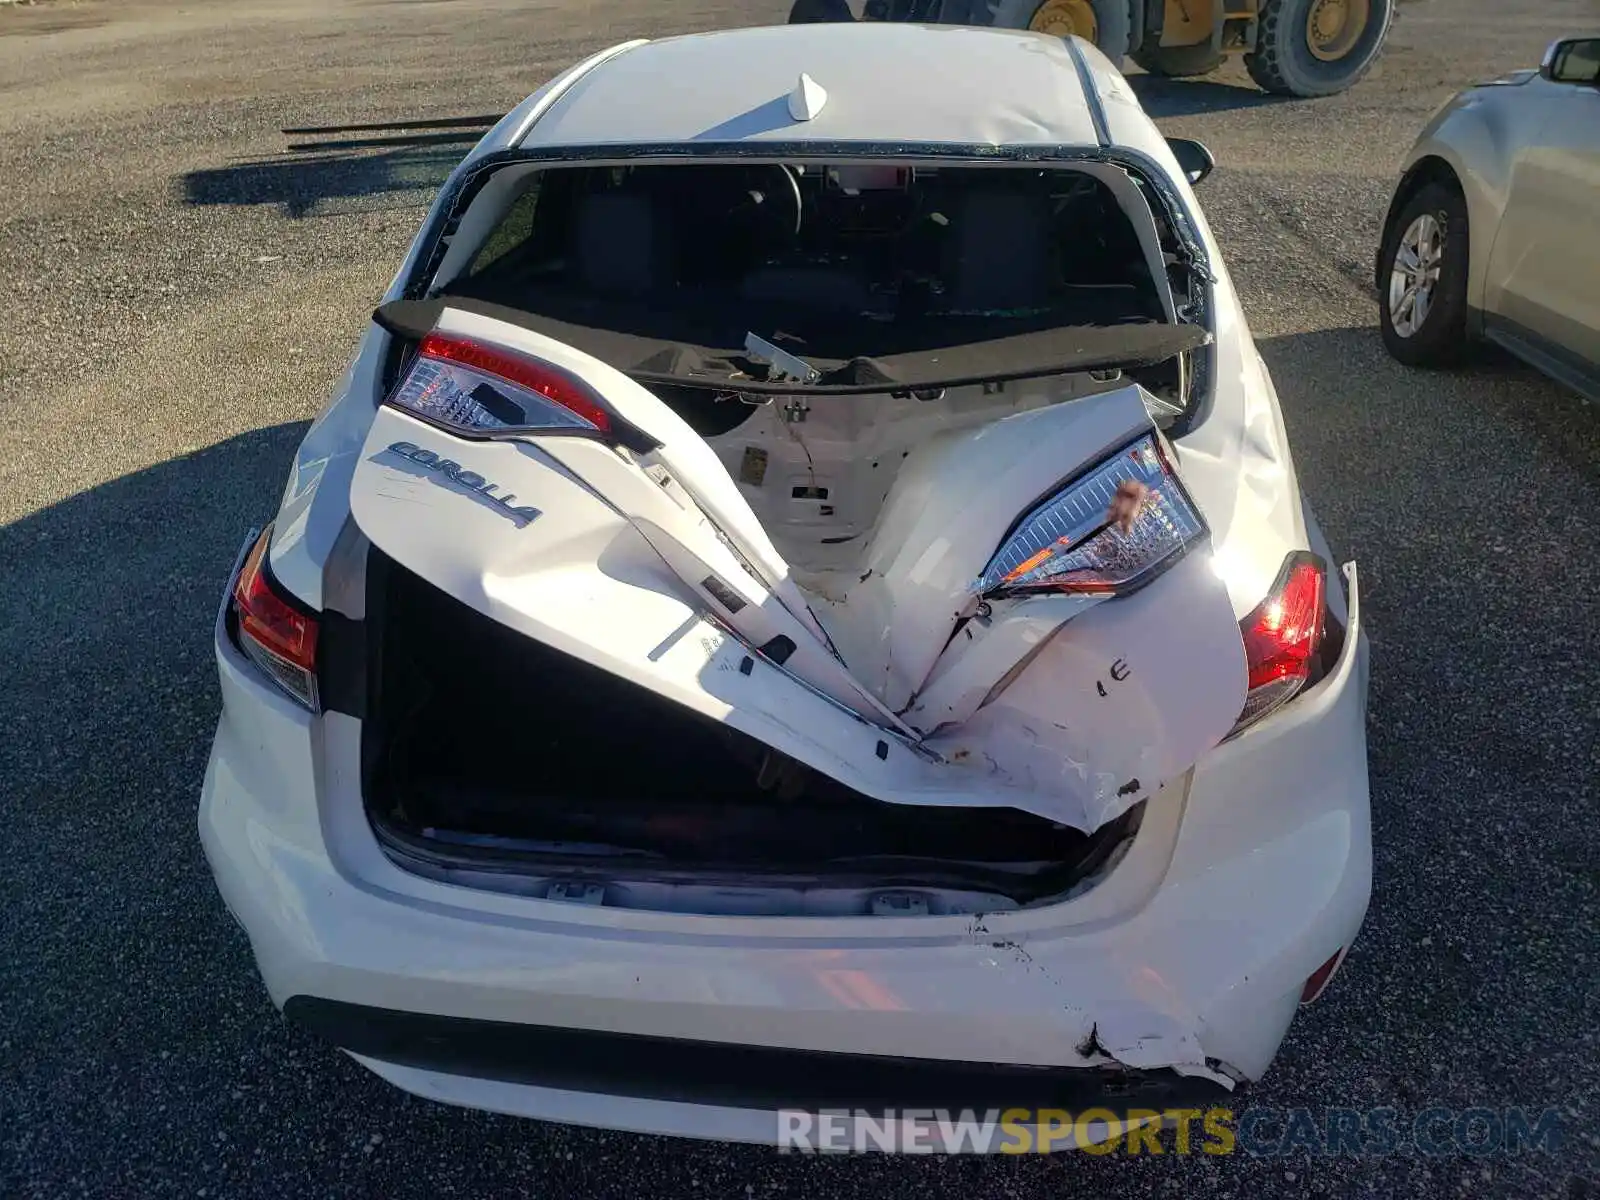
{"x":648,"y":563}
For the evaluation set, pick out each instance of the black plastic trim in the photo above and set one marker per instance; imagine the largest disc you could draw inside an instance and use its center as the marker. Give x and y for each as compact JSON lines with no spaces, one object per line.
{"x":342,"y":665}
{"x":1091,"y":93}
{"x":1544,"y":355}
{"x":414,"y":319}
{"x":740,"y":1076}
{"x":438,"y":858}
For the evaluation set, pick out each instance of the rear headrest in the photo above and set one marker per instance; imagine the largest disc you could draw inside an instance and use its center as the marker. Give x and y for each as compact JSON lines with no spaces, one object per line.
{"x":620,"y":246}
{"x":997,"y":249}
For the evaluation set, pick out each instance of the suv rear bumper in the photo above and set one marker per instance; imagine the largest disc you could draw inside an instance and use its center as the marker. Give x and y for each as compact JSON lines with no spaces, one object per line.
{"x":1180,"y":989}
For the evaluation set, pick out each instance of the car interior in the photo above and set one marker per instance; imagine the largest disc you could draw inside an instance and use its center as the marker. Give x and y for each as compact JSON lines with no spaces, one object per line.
{"x":834,"y":263}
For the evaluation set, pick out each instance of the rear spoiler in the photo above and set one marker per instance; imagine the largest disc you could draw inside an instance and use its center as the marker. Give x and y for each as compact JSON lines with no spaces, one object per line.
{"x":1031,"y":355}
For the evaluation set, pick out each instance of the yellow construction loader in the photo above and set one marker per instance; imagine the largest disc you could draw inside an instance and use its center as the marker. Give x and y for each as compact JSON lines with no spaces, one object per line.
{"x":1290,"y":47}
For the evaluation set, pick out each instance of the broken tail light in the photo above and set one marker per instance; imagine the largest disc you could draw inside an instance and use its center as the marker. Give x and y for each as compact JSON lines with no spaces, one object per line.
{"x":275,"y":632}
{"x":1095,"y":535}
{"x":1283,"y":636}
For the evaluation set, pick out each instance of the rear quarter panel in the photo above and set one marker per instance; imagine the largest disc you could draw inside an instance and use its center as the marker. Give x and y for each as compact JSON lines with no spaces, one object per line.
{"x":1236,"y":458}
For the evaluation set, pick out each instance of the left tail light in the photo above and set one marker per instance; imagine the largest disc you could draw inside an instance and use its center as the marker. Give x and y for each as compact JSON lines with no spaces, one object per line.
{"x":479,"y":391}
{"x":1283,"y":636}
{"x":276,"y":632}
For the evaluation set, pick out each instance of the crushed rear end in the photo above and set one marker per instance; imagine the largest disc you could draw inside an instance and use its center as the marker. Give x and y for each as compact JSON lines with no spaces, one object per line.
{"x":881,"y":569}
{"x":861,"y":721}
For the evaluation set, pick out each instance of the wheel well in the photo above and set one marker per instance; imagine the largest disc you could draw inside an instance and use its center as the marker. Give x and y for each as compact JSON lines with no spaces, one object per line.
{"x":1423,"y":172}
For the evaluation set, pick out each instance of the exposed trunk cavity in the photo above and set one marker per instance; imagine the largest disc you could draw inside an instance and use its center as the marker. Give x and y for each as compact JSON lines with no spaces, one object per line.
{"x":488,"y":754}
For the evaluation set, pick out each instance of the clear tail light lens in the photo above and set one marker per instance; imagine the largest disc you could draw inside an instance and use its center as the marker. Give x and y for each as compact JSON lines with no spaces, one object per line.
{"x":275,"y":633}
{"x":1283,"y":636}
{"x":476,"y":389}
{"x":1110,"y":530}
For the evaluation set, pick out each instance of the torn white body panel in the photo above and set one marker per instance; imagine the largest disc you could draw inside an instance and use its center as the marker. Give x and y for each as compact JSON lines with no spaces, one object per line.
{"x":1015,"y":710}
{"x":1121,"y":699}
{"x":952,"y":503}
{"x":682,"y":451}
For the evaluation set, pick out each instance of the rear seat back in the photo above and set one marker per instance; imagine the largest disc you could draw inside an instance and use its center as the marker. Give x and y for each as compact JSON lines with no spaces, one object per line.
{"x":998,"y":247}
{"x":622,"y":245}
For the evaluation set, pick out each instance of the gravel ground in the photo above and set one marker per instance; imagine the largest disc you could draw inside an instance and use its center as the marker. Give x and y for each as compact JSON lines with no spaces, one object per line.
{"x":179,"y":299}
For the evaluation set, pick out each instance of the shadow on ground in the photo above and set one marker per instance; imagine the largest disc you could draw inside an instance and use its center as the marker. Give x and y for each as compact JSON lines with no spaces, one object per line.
{"x":305,"y":185}
{"x":1490,"y":384}
{"x":105,"y":614}
{"x":1163,"y":97}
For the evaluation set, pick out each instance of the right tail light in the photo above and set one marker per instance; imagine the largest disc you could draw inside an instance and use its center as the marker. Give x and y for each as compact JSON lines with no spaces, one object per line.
{"x":1072,"y":543}
{"x":1283,"y":636}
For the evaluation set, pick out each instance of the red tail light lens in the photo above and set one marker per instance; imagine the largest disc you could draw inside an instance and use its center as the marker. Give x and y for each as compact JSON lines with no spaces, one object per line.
{"x":447,"y":384}
{"x":1320,"y":978}
{"x":1282,"y":636}
{"x":276,"y":634}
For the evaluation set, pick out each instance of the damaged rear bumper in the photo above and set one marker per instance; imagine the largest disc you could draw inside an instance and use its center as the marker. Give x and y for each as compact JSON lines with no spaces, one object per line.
{"x":538,"y":1067}
{"x":1186,"y":964}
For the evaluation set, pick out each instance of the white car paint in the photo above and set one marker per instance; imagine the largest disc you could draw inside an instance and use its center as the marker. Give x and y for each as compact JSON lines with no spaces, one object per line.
{"x":1252,"y":866}
{"x":654,"y":97}
{"x":1180,"y":943}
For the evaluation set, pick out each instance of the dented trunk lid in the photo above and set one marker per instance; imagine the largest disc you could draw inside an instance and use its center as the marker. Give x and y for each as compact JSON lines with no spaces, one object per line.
{"x":652,"y":566}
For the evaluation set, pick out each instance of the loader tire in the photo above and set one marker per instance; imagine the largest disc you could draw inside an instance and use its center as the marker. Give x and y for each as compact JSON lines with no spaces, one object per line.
{"x":1290,"y":60}
{"x":813,"y":12}
{"x":1178,"y":62}
{"x":1113,"y":19}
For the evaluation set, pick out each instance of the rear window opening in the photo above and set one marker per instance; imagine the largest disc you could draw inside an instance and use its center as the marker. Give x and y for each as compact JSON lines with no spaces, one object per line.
{"x":491,"y":759}
{"x":1019,"y":287}
{"x":878,"y":276}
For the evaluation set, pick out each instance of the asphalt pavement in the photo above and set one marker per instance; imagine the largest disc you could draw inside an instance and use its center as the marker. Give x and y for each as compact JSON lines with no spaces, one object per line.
{"x":178,"y":299}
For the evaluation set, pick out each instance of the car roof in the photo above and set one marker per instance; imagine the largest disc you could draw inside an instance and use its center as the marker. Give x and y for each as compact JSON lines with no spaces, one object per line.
{"x":884,"y":82}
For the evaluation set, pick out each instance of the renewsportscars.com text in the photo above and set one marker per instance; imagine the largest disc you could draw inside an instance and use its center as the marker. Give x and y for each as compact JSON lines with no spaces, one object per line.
{"x":1259,"y":1132}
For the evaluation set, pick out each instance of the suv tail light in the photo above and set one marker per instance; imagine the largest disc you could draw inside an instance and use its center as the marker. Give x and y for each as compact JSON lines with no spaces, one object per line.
{"x":275,"y":631}
{"x":1283,"y":635}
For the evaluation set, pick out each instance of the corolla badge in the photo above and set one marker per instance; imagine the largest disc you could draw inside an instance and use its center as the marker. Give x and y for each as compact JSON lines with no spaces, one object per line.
{"x":448,"y":469}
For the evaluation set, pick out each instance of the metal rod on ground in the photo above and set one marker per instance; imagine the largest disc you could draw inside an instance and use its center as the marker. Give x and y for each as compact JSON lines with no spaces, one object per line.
{"x":418,"y":139}
{"x":432,"y":123}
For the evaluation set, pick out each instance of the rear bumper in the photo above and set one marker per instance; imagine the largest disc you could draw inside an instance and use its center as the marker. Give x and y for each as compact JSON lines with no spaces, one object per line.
{"x":1181,"y":970}
{"x":759,"y":1078}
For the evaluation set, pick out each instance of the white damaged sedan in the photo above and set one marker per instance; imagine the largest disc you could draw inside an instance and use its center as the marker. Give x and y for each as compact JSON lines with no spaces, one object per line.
{"x":802,"y":601}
